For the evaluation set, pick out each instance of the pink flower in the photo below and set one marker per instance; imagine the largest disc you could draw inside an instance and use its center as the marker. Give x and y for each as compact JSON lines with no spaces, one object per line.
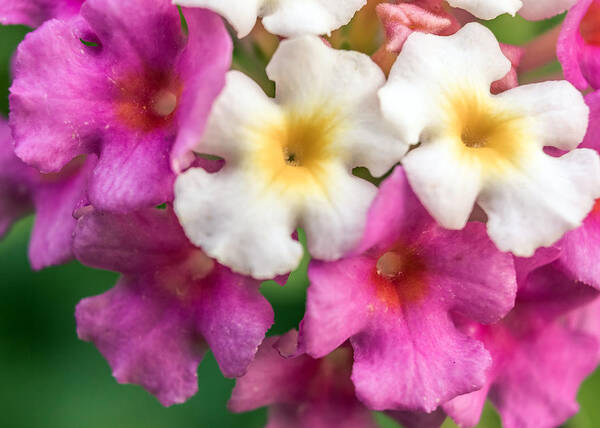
{"x":35,"y":12}
{"x":53,"y":197}
{"x":542,"y":351}
{"x":578,"y":47}
{"x":392,"y":297}
{"x":402,"y":19}
{"x":136,"y":94}
{"x":511,"y":80}
{"x":303,"y":392}
{"x":170,"y":305}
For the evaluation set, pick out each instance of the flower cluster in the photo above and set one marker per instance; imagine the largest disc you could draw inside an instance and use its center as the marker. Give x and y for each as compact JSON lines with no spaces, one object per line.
{"x":468,"y":270}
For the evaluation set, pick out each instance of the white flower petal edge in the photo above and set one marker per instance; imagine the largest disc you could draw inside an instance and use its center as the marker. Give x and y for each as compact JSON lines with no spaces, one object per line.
{"x":528,"y":9}
{"x":535,"y":10}
{"x":289,"y":161}
{"x":228,"y":221}
{"x":488,"y":9}
{"x":241,"y":14}
{"x":288,"y":18}
{"x":489,"y":149}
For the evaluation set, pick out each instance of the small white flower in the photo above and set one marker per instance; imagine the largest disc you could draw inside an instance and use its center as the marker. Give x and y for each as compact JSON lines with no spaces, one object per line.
{"x":288,"y":18}
{"x":489,"y":149}
{"x":289,"y":161}
{"x":528,"y":9}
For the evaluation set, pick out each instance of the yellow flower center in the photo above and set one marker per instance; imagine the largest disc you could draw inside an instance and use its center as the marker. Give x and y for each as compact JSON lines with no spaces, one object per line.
{"x":485,"y":132}
{"x":293,"y":152}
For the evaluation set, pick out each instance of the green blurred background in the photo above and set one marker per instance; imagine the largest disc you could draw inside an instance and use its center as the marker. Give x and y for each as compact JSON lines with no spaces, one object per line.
{"x":51,"y":379}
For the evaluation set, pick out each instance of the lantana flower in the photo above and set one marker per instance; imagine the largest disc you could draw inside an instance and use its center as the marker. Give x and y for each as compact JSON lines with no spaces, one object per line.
{"x":528,"y":9}
{"x":170,"y":305}
{"x":478,"y":148}
{"x":287,"y":18}
{"x":303,"y":392}
{"x":53,"y":197}
{"x":578,"y":47}
{"x":392,"y":297}
{"x":35,"y":12}
{"x":122,"y":81}
{"x":289,"y":161}
{"x":542,"y":351}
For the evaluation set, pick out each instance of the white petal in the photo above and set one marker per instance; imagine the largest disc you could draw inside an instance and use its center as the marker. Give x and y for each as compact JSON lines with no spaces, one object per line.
{"x":542,"y":9}
{"x":446,"y":183}
{"x":534,"y":207}
{"x":307,"y":73}
{"x":241,"y":14}
{"x":305,"y":70}
{"x":488,"y":9}
{"x":236,"y":224}
{"x":558,"y":112}
{"x":289,"y":161}
{"x":290,"y":18}
{"x":478,"y":147}
{"x":430,"y":66}
{"x":241,"y":103}
{"x":372,"y":142}
{"x":335,"y":223}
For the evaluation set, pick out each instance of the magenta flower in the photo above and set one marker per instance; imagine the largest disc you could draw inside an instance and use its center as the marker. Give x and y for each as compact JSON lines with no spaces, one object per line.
{"x":392,"y":298}
{"x":303,"y":392}
{"x":122,"y":81}
{"x":170,"y":305}
{"x":53,"y":197}
{"x":541,"y":352}
{"x":35,"y":12}
{"x":578,"y":47}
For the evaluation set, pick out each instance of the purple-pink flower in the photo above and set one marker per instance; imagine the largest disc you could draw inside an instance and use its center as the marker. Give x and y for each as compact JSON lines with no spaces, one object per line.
{"x":123,"y":81}
{"x":392,"y":298}
{"x":53,"y":197}
{"x":170,"y":305}
{"x":35,"y":12}
{"x":304,"y":392}
{"x":542,"y":351}
{"x":578,"y":47}
{"x":423,"y":300}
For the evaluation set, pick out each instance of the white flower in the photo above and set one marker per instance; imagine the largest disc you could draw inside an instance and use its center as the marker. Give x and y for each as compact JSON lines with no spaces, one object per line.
{"x":489,"y":149}
{"x":288,"y":18}
{"x":528,"y":9}
{"x":289,"y":161}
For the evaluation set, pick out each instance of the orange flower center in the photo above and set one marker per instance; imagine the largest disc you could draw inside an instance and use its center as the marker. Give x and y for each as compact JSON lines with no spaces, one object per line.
{"x":589,"y":27}
{"x":148,"y":100}
{"x":400,"y":277}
